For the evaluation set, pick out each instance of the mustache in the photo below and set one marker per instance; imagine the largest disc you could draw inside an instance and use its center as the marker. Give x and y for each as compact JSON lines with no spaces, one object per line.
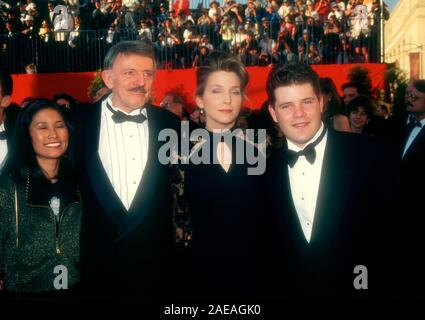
{"x":138,"y":90}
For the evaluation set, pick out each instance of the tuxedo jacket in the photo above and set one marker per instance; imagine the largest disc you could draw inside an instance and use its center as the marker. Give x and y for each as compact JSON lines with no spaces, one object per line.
{"x":351,"y":224}
{"x":125,"y":253}
{"x":9,"y":136}
{"x":412,"y":214}
{"x":11,"y":114}
{"x":413,"y":160}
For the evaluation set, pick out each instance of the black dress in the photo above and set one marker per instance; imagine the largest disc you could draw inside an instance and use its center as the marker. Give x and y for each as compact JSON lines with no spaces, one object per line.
{"x":223,"y":208}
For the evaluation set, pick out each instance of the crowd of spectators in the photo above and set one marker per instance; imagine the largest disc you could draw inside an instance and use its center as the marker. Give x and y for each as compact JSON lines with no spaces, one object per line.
{"x":73,"y":35}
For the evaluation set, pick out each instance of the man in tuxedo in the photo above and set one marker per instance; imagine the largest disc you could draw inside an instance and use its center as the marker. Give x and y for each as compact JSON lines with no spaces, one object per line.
{"x":6,"y":120}
{"x":412,"y":158}
{"x":329,"y":198}
{"x":413,"y":144}
{"x":127,"y":229}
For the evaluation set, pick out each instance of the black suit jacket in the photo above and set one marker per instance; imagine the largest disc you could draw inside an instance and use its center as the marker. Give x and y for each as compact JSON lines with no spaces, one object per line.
{"x":351,"y":223}
{"x":10,"y":116}
{"x":413,"y":160}
{"x":125,"y":253}
{"x":412,"y":216}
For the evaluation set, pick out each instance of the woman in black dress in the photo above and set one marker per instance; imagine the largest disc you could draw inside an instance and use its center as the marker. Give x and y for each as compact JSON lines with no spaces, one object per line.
{"x":220,"y":194}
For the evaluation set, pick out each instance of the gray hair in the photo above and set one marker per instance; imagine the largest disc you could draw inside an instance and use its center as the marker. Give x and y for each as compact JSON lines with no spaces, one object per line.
{"x":139,"y":48}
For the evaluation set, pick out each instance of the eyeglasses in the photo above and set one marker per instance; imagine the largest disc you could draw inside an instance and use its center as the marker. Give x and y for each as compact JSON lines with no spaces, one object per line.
{"x":412,"y":96}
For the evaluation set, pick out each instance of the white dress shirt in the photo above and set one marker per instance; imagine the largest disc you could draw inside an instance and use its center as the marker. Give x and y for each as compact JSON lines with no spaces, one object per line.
{"x":3,"y":148}
{"x":413,"y":135}
{"x":123,"y":150}
{"x":304,"y":179}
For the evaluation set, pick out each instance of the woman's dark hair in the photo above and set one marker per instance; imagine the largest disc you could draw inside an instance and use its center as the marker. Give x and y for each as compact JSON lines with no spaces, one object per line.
{"x":220,"y":61}
{"x":361,"y":101}
{"x":72,"y":101}
{"x":22,"y":155}
{"x":335,"y":105}
{"x":419,"y":85}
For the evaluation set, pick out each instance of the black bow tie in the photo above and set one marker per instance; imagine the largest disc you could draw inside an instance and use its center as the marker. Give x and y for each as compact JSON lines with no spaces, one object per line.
{"x":308,"y":152}
{"x":3,"y":135}
{"x":413,"y":123}
{"x":120,"y":117}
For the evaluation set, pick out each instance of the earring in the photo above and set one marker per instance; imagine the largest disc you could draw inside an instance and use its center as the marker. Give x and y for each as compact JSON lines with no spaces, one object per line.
{"x":201,"y":111}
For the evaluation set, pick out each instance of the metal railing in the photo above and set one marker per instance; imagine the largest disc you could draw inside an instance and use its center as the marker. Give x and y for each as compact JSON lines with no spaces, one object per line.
{"x":79,"y":51}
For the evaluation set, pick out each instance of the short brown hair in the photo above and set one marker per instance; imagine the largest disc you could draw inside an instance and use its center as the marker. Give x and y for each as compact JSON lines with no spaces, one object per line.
{"x":220,"y":61}
{"x":293,"y":73}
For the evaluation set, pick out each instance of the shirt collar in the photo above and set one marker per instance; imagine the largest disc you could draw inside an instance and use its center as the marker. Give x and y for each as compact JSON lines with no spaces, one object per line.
{"x":2,"y":128}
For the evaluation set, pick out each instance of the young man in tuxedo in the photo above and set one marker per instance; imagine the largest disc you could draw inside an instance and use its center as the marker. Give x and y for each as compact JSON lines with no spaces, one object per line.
{"x":127,"y":228}
{"x":329,"y":198}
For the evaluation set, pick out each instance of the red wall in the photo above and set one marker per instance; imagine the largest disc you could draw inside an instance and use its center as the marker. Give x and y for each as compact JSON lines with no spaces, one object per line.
{"x":76,"y":84}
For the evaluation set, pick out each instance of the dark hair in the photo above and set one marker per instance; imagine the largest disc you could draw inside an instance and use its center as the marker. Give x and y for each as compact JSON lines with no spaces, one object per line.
{"x":6,"y":82}
{"x":293,"y":73}
{"x":384,"y":108}
{"x":220,"y":61}
{"x":127,"y":48}
{"x":177,"y":98}
{"x":361,"y":101}
{"x":22,"y":155}
{"x":26,"y":100}
{"x":335,"y":106}
{"x":72,"y":101}
{"x":351,"y":85}
{"x":419,"y":85}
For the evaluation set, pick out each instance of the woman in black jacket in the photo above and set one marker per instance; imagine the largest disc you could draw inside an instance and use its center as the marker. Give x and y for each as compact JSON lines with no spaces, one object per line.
{"x":40,"y":204}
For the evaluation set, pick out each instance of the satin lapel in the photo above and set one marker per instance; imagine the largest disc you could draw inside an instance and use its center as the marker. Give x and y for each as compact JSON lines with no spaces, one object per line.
{"x":98,"y":178}
{"x":144,"y":203}
{"x":333,"y":190}
{"x":419,"y":142}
